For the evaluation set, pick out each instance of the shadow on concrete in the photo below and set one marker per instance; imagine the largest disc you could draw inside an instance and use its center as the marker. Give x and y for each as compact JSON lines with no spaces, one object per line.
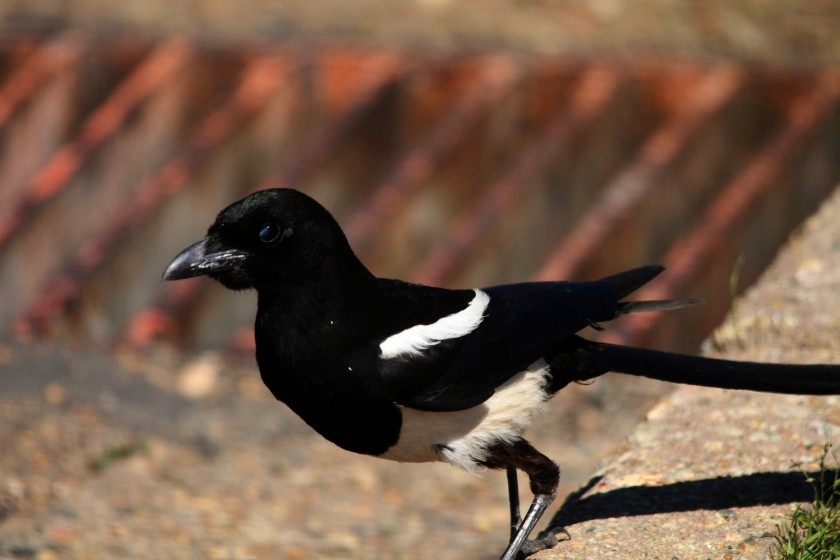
{"x":757,"y":489}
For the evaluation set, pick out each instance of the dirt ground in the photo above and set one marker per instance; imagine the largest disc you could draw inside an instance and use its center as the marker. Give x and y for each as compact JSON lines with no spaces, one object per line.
{"x":177,"y":457}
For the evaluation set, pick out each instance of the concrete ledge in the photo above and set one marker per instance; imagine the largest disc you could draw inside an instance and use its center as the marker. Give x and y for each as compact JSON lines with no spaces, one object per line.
{"x":710,"y":473}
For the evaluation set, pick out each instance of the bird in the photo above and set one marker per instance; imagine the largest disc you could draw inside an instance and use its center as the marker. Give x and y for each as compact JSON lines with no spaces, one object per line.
{"x":415,"y":373}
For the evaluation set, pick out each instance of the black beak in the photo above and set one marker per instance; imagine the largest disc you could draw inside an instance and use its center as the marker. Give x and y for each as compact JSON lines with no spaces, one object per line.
{"x":198,"y":260}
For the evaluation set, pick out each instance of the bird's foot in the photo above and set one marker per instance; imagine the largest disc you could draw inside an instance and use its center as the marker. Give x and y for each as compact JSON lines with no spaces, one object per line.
{"x":547,"y":539}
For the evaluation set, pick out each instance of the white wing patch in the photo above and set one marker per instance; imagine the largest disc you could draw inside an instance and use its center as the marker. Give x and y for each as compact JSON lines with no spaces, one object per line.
{"x":413,"y":340}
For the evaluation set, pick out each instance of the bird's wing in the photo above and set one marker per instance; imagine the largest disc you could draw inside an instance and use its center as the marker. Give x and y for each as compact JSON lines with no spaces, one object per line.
{"x":518,"y":325}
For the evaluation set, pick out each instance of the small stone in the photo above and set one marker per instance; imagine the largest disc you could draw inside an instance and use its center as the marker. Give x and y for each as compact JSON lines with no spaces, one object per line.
{"x":5,"y":355}
{"x":200,"y":377}
{"x":54,"y":394}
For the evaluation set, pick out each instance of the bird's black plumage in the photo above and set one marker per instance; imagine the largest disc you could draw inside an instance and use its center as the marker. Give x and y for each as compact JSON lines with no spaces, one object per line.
{"x":418,"y":373}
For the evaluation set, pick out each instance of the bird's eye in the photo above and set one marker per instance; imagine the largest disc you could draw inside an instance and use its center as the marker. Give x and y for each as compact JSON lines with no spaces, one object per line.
{"x":269,"y":233}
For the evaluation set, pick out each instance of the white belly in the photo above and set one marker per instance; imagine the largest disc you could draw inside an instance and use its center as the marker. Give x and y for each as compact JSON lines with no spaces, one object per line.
{"x":463,"y":437}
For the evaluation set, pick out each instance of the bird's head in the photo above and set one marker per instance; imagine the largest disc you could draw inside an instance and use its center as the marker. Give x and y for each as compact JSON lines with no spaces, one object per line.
{"x":263,"y":241}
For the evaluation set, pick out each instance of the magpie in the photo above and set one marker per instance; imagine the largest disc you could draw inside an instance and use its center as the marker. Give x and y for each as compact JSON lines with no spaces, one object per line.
{"x":416,"y":373}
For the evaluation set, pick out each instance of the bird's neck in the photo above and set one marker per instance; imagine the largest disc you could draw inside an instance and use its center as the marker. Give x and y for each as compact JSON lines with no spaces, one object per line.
{"x":339,"y":288}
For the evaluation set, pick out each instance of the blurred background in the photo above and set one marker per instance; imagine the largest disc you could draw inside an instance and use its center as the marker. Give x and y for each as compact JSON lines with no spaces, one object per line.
{"x":458,"y":144}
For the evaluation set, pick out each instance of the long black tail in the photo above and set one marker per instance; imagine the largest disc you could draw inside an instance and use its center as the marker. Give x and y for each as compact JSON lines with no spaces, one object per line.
{"x":585,"y":359}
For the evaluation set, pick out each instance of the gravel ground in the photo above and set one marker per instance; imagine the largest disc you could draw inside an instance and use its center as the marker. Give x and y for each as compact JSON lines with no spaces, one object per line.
{"x":124,"y":459}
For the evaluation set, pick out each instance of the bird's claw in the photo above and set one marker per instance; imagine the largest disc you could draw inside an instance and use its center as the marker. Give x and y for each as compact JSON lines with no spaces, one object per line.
{"x":547,"y":539}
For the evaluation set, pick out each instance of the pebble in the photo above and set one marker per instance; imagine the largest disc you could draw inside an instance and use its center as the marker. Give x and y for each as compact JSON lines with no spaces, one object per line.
{"x":200,"y":377}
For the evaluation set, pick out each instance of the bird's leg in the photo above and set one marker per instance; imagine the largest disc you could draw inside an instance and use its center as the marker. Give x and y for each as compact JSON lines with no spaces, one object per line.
{"x":520,"y":543}
{"x":513,"y":500}
{"x":544,"y":476}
